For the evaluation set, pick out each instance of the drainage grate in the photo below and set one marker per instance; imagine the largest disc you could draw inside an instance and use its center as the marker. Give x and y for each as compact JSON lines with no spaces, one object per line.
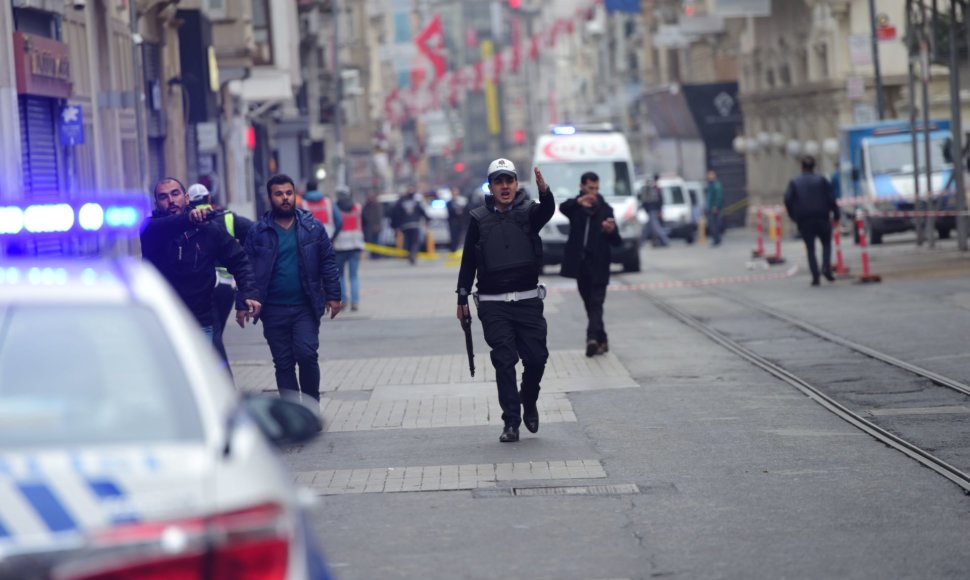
{"x":622,"y":489}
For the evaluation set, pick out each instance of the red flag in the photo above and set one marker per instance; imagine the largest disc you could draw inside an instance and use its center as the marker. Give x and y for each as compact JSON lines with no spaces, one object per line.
{"x":431,"y":43}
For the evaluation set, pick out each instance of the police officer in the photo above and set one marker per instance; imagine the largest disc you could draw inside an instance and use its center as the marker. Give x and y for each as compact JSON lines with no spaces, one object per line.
{"x":502,"y":246}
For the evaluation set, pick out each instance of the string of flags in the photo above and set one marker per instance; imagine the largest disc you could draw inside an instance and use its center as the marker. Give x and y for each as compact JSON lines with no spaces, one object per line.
{"x":430,"y":92}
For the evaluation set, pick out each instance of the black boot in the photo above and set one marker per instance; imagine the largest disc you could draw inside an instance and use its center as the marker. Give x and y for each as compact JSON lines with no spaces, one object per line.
{"x":510,"y":434}
{"x":530,"y":417}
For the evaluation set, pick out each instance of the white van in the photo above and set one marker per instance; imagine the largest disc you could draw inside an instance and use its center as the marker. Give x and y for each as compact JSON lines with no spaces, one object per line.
{"x":568,"y":152}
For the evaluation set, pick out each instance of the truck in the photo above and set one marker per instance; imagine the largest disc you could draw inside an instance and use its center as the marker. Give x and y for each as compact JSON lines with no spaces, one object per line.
{"x":877,"y":173}
{"x":564,"y":155}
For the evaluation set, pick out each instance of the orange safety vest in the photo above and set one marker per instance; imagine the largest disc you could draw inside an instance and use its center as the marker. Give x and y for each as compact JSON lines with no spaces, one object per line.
{"x":322,"y":209}
{"x":351,"y":235}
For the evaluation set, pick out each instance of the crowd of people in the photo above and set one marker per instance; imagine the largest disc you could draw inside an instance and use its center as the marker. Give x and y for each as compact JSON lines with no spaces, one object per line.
{"x":300,"y":260}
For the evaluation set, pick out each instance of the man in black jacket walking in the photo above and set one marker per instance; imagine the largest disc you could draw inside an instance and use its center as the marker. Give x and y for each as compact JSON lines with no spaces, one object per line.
{"x":810,"y":201}
{"x":181,"y":243}
{"x":592,"y":230}
{"x":503,"y":247}
{"x":296,"y":274}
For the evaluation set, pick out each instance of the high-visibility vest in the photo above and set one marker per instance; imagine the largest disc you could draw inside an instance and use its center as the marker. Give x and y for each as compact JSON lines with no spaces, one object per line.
{"x":322,"y":209}
{"x":351,"y":236}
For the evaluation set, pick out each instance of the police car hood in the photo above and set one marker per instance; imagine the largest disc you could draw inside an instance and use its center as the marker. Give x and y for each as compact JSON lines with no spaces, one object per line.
{"x":55,"y":503}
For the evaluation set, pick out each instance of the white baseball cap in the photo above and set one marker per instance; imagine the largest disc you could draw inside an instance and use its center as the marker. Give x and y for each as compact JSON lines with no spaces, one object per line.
{"x":501,"y":167}
{"x":197,"y":192}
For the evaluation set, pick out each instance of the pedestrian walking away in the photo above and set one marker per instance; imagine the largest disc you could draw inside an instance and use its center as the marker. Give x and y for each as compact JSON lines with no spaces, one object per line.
{"x":407,"y":216}
{"x":592,"y":232}
{"x":322,"y":208}
{"x":296,"y":273}
{"x":810,"y":202}
{"x":348,"y":244}
{"x":372,"y":218}
{"x":653,"y":202}
{"x":185,"y":246}
{"x":714,"y":196}
{"x":224,"y":293}
{"x":503,"y":249}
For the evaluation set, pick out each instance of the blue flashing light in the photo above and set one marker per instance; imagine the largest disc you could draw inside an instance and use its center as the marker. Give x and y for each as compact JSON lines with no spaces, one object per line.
{"x":47,"y":276}
{"x":9,"y":275}
{"x":117,"y":214}
{"x":11,"y":220}
{"x":90,"y":217}
{"x":485,"y":187}
{"x":53,"y":218}
{"x":564,"y":130}
{"x":122,"y":217}
{"x":439,"y":203}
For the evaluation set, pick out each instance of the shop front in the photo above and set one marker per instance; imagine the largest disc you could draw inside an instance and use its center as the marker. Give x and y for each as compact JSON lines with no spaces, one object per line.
{"x":43,"y":71}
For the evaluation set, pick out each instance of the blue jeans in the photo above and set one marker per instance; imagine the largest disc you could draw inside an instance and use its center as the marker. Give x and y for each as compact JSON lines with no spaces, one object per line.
{"x":714,"y":224}
{"x":293,"y":335}
{"x":350,"y":258}
{"x":208,"y":332}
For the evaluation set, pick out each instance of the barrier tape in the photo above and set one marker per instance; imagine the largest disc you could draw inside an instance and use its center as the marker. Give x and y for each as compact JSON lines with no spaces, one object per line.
{"x":941,"y":213}
{"x":402,"y":253}
{"x":862,"y":200}
{"x":688,"y":283}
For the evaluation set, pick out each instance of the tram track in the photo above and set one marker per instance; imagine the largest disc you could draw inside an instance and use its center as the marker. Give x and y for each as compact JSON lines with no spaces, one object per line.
{"x":821,"y":393}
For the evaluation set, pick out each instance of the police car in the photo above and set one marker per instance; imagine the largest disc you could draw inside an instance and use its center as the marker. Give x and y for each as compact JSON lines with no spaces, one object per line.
{"x":124,"y":452}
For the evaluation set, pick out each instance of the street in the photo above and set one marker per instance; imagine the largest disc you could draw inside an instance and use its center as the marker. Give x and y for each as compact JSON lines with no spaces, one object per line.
{"x":669,"y":456}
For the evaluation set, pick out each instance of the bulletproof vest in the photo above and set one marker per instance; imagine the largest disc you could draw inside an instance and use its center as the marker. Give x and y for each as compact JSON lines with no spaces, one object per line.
{"x":506,"y":240}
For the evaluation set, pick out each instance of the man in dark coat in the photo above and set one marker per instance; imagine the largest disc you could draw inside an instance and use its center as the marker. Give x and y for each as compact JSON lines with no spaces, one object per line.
{"x":592,"y":230}
{"x":296,"y":273}
{"x":183,"y":244}
{"x":810,"y":201}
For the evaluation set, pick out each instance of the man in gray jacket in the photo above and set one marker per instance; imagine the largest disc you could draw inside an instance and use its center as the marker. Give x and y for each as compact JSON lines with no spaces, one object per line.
{"x":810,"y":201}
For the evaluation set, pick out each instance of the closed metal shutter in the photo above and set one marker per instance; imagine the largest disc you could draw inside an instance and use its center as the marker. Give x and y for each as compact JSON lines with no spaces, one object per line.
{"x":38,"y":135}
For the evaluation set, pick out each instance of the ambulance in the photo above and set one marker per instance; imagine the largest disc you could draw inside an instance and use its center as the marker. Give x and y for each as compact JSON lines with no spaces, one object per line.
{"x":564,"y":155}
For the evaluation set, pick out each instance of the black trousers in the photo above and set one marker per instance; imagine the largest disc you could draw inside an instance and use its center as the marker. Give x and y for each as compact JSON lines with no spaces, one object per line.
{"x":594,"y":295}
{"x":811,"y":229}
{"x":515,"y":330}
{"x":223,"y":300}
{"x":293,"y":335}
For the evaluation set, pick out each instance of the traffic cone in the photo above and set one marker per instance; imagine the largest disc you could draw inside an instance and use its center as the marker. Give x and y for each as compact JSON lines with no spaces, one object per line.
{"x":867,"y":276}
{"x":777,"y":234}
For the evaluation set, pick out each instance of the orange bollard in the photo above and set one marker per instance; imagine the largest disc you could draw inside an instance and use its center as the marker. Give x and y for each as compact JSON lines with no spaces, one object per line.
{"x":841,"y":270}
{"x":777,"y":259}
{"x":759,"y":218}
{"x":867,"y":276}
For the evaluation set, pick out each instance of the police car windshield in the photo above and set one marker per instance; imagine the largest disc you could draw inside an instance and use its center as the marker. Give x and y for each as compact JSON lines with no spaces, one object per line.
{"x":86,"y":374}
{"x":563,"y":178}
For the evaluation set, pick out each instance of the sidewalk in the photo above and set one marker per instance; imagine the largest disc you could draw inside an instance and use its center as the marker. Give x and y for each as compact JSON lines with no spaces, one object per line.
{"x":669,"y":457}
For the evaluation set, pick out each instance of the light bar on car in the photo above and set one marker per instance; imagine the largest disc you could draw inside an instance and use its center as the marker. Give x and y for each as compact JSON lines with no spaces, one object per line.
{"x":60,"y":218}
{"x":564,"y":130}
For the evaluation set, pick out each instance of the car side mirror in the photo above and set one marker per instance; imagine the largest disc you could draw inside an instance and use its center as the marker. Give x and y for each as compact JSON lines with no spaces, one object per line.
{"x":283,"y":422}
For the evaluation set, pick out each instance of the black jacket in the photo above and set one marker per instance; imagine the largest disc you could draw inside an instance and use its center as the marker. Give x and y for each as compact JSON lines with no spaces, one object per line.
{"x":810,"y":197}
{"x":187,"y":255}
{"x":513,"y":280}
{"x":318,"y":264}
{"x":588,"y":245}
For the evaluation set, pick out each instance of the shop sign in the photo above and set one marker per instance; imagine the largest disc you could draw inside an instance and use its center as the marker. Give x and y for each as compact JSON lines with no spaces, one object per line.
{"x":42,"y":65}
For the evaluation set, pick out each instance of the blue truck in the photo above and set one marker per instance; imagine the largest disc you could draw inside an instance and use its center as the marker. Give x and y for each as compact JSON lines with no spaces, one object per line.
{"x":877,"y":173}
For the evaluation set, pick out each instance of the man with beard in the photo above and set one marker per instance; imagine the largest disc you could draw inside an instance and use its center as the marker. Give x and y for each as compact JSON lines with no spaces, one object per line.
{"x":503,"y":247}
{"x":296,"y":274}
{"x":181,"y":243}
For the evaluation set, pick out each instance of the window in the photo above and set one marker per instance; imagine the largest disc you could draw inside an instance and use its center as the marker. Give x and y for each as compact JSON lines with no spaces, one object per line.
{"x":262,"y":34}
{"x":91,"y":374}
